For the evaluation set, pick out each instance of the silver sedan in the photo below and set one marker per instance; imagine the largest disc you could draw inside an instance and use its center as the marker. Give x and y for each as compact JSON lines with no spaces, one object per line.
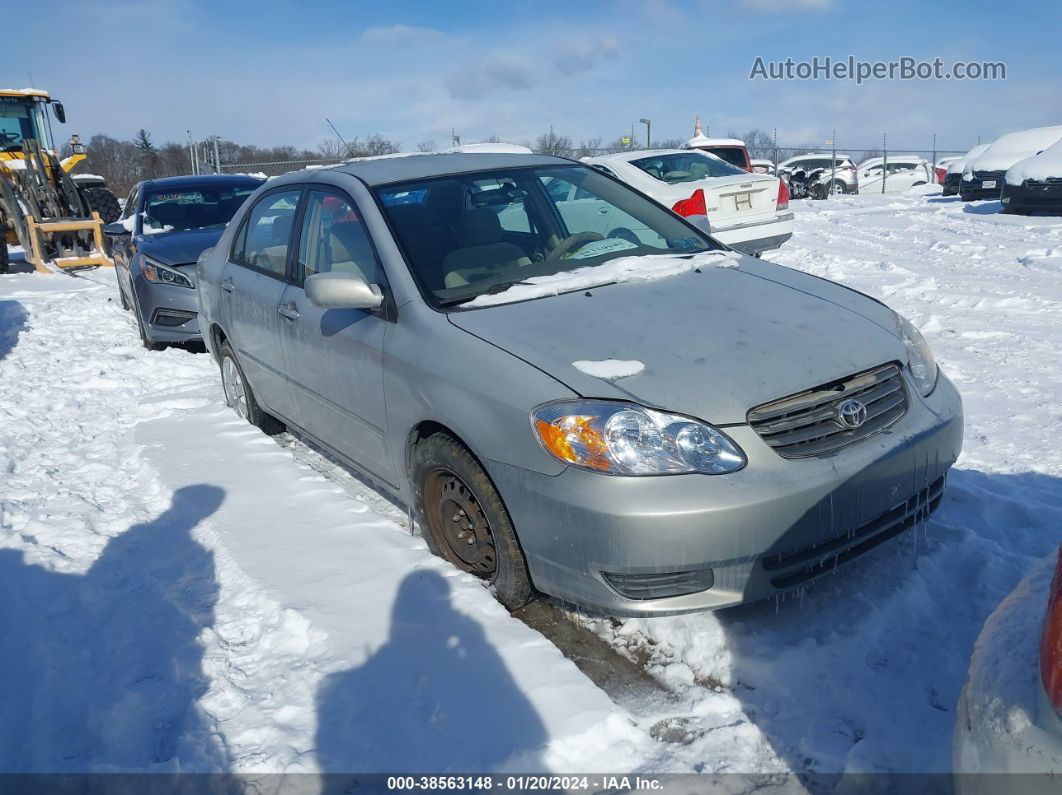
{"x":639,"y":424}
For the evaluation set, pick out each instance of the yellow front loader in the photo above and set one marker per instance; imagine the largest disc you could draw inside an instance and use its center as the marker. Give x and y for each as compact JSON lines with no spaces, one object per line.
{"x":42,"y":208}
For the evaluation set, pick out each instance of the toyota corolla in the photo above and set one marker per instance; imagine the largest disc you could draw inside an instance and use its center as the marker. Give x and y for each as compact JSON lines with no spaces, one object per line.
{"x":643,"y":424}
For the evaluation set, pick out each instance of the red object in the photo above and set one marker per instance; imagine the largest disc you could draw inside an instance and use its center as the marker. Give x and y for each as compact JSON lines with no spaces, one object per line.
{"x":1051,"y":644}
{"x":783,"y":195}
{"x":942,"y":173}
{"x":694,"y":205}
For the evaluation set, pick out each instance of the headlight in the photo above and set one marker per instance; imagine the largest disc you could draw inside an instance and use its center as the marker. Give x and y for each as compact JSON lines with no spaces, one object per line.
{"x":619,"y":438}
{"x":920,"y":359}
{"x":160,"y":274}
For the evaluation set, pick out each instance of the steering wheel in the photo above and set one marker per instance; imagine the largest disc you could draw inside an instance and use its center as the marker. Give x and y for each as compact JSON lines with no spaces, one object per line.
{"x":572,"y":243}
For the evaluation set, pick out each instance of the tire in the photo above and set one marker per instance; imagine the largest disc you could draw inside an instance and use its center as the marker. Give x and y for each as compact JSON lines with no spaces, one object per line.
{"x":145,"y":340}
{"x":839,"y":188}
{"x":104,"y":202}
{"x":4,"y":261}
{"x":819,"y":191}
{"x":241,"y":399}
{"x":449,"y":483}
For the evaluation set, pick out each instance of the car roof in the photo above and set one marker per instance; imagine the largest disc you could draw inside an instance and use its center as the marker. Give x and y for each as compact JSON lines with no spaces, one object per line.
{"x":839,"y":155}
{"x":702,"y":140}
{"x":385,"y":170}
{"x":638,"y":154}
{"x":189,"y":181}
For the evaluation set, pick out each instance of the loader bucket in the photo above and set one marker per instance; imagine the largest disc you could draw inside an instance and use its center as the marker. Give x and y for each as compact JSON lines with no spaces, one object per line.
{"x":55,"y":235}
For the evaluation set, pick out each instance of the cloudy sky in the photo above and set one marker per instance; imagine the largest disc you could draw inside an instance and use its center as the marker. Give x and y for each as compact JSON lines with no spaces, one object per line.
{"x":271,"y":71}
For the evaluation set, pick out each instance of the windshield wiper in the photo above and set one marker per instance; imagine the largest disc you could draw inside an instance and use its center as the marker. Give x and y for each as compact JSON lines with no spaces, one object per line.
{"x":497,"y":287}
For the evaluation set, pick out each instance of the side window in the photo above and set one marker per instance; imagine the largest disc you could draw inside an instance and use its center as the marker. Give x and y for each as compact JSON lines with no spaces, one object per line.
{"x":334,"y":239}
{"x":130,"y":203}
{"x":262,"y":242}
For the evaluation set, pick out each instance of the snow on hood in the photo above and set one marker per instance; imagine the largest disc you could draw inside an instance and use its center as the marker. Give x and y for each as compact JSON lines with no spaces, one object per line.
{"x":713,"y":343}
{"x":609,"y":369}
{"x":956,"y":166}
{"x":624,"y":269}
{"x":1008,"y":149}
{"x":1047,"y":163}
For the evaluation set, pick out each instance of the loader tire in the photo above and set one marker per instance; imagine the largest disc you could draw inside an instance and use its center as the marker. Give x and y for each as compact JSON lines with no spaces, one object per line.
{"x":104,"y":202}
{"x":3,"y":255}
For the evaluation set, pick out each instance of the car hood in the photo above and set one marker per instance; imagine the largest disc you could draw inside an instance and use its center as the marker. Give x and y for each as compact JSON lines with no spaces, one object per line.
{"x":713,"y":344}
{"x":179,"y":248}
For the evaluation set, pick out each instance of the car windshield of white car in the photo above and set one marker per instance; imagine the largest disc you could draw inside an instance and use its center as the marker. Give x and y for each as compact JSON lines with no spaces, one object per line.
{"x":467,"y":234}
{"x":685,"y":167}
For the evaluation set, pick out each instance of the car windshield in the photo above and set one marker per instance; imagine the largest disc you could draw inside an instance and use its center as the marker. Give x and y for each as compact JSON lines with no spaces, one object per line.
{"x":194,"y":206}
{"x":731,"y":154}
{"x":685,"y":167}
{"x":470,"y":234}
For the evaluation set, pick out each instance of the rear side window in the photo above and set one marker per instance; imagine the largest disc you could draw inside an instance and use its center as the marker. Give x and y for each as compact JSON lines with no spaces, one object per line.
{"x":686,"y":167}
{"x":334,"y":239}
{"x":263,"y":240}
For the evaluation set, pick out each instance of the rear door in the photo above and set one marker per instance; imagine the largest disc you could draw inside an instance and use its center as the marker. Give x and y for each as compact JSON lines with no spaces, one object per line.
{"x":334,"y":357}
{"x":252,"y":284}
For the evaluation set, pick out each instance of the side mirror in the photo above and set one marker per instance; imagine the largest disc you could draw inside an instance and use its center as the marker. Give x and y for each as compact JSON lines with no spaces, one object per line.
{"x":115,"y":229}
{"x":342,"y":291}
{"x":59,"y":111}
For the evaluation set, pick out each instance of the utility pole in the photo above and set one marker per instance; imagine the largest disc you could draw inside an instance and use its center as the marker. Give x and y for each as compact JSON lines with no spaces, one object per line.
{"x":648,"y":132}
{"x":191,"y":152}
{"x":775,"y":150}
{"x":455,"y":139}
{"x":933,"y":164}
{"x":884,"y":163}
{"x":833,"y":162}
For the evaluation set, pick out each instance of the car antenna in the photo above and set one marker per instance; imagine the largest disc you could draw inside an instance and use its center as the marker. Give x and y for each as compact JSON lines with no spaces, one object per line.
{"x":340,"y":137}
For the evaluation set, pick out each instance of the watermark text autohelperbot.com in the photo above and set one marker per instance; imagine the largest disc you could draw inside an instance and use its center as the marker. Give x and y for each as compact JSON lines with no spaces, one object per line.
{"x":904,"y":68}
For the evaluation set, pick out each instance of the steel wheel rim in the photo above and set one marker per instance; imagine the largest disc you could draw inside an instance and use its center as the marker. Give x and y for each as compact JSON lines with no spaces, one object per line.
{"x":459,"y":525}
{"x":235,"y":394}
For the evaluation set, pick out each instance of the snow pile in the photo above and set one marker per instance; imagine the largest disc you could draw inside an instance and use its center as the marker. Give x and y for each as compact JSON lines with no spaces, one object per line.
{"x":609,"y":369}
{"x":1047,"y":163}
{"x":622,"y":269}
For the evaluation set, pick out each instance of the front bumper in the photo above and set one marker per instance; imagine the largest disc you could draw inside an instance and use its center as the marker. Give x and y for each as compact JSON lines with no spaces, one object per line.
{"x":170,"y":313}
{"x":757,"y":236}
{"x":1021,"y":198}
{"x":972,"y":190}
{"x":951,"y":184}
{"x":771,"y":527}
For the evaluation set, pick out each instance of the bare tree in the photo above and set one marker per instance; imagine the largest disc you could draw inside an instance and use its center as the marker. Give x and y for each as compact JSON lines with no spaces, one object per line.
{"x":549,"y":143}
{"x":669,"y":143}
{"x":589,"y":147}
{"x":426,"y":146}
{"x":759,"y":143}
{"x":376,"y":144}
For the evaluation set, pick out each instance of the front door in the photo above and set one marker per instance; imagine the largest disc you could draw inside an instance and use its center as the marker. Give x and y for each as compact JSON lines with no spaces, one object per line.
{"x":334,"y":357}
{"x":252,"y":284}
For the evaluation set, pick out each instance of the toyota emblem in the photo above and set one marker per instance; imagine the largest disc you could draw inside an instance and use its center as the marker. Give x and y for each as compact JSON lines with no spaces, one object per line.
{"x":852,"y":413}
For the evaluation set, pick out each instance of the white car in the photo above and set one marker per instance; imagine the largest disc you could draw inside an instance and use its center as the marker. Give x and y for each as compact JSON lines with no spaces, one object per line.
{"x":748,"y":212}
{"x":954,"y":171}
{"x":982,"y":176}
{"x":843,"y":169}
{"x":900,"y":173}
{"x":1009,"y":718}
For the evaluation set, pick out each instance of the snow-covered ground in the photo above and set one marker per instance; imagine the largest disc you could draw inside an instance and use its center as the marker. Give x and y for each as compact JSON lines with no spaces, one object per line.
{"x":179,"y":592}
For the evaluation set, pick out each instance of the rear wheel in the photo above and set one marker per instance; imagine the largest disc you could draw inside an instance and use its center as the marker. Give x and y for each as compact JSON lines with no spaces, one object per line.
{"x":4,"y":261}
{"x":838,"y":188}
{"x":466,"y":521}
{"x":104,"y":202}
{"x":240,"y":397}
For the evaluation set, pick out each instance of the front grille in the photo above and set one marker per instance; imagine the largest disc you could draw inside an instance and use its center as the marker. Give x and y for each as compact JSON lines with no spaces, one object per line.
{"x":983,"y":175}
{"x":660,"y":585}
{"x":801,"y":565}
{"x":1049,"y":183}
{"x":808,"y":424}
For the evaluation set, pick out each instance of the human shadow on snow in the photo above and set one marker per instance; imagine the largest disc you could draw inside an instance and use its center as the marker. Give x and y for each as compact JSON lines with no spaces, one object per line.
{"x":435,"y":697}
{"x":12,"y":321}
{"x":104,"y":668}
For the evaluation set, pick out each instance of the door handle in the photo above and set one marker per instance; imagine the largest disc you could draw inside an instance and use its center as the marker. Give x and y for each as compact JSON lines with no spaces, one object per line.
{"x":289,"y":311}
{"x":228,"y":285}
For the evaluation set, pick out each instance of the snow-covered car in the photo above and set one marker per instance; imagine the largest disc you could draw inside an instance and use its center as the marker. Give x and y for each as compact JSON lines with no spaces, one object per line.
{"x":844,"y":179}
{"x":1009,"y":718}
{"x":732,"y":150}
{"x":983,"y":176}
{"x":763,"y":166}
{"x":550,"y":401}
{"x":1035,"y":183}
{"x":954,"y":172}
{"x":900,"y":173}
{"x":748,"y":212}
{"x":941,"y":168}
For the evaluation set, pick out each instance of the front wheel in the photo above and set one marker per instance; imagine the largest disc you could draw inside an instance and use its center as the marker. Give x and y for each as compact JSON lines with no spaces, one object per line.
{"x":838,"y":188}
{"x":466,"y":521}
{"x":4,"y":261}
{"x":240,"y":397}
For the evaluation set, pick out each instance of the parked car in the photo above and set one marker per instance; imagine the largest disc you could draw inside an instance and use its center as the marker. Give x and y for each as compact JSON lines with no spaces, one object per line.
{"x":732,"y":150}
{"x":1035,"y":183}
{"x":941,"y":169}
{"x":763,"y":167}
{"x":165,"y":225}
{"x":643,"y":427}
{"x":1009,"y":718}
{"x":982,"y":176}
{"x":955,"y":168}
{"x":748,"y":212}
{"x":900,"y":173}
{"x":844,"y":179}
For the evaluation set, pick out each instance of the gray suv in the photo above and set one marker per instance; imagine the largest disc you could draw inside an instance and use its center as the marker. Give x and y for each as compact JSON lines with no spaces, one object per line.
{"x":640,"y":426}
